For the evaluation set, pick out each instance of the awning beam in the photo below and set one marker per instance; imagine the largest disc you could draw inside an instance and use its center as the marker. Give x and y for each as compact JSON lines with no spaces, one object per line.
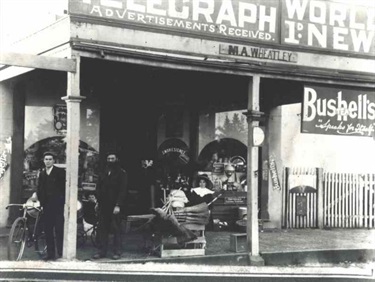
{"x":37,"y":62}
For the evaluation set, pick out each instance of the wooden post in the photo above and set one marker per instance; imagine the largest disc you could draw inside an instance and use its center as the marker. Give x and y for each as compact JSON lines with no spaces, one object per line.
{"x":252,"y":228}
{"x":72,"y":100}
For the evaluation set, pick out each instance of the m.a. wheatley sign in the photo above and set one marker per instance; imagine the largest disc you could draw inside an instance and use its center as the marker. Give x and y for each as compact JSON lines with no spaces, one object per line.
{"x":312,"y":24}
{"x":338,"y":111}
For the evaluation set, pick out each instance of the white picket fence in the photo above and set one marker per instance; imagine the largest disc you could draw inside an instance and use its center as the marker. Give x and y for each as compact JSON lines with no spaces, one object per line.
{"x":348,"y":200}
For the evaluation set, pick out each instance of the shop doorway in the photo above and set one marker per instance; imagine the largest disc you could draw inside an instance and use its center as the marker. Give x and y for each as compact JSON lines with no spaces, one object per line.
{"x":143,"y":107}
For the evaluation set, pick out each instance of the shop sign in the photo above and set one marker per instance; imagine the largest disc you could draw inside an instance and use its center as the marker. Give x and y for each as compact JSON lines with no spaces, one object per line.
{"x":234,"y":200}
{"x":328,"y":25}
{"x":248,"y":19}
{"x":301,"y":205}
{"x":60,"y":119}
{"x":258,"y":53}
{"x":340,"y":27}
{"x":174,"y":152}
{"x":274,"y":175}
{"x":338,"y":111}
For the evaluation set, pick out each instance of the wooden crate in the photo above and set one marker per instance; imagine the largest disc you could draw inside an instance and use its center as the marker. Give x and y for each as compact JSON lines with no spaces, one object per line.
{"x":238,"y":242}
{"x":170,"y":248}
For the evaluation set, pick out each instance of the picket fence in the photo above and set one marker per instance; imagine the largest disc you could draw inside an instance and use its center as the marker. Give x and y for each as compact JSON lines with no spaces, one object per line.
{"x":348,"y":200}
{"x":294,"y":218}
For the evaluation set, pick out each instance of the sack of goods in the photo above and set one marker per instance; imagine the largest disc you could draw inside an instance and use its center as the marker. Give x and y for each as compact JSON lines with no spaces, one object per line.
{"x":177,"y":198}
{"x":198,"y":214}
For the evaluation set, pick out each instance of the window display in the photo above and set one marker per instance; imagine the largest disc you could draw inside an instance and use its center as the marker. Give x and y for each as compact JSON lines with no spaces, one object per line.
{"x":88,"y":163}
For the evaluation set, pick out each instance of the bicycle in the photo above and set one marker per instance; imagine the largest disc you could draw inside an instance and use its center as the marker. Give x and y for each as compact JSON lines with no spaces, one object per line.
{"x":88,"y":217}
{"x":19,"y":235}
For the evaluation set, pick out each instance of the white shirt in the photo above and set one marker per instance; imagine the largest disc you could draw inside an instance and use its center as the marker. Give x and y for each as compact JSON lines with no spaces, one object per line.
{"x":48,"y":170}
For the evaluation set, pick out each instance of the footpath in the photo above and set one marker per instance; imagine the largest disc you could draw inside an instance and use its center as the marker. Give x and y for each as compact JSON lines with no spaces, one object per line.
{"x":277,"y":247}
{"x":344,"y":255}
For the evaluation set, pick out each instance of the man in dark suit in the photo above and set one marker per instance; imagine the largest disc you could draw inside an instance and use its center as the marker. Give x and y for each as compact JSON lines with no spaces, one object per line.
{"x":51,"y":194}
{"x":111,"y":194}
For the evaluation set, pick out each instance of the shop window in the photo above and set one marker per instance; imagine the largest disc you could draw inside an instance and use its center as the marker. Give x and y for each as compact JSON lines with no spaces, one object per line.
{"x":33,"y":162}
{"x":45,"y":130}
{"x":222,"y":144}
{"x":220,"y":125}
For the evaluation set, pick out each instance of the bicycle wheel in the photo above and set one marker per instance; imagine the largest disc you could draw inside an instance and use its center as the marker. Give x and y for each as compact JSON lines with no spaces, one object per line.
{"x":41,"y":244}
{"x":17,"y":239}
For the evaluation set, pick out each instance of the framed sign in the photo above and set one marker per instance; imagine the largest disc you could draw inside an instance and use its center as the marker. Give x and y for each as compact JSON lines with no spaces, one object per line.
{"x":338,"y":111}
{"x":60,"y":118}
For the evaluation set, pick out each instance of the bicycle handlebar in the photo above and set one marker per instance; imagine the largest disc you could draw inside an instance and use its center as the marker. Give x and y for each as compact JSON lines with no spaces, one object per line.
{"x":24,"y":206}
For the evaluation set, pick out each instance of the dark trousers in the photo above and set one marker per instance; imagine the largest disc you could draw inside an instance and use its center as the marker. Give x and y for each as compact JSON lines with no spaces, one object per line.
{"x":53,"y":213}
{"x":109,"y":222}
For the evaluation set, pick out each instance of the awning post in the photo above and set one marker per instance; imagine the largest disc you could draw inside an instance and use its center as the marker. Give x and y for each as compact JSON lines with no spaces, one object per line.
{"x":72,"y":100}
{"x":252,"y":228}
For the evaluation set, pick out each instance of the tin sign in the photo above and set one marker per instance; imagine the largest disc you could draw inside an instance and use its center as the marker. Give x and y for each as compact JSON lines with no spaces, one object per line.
{"x":338,"y":111}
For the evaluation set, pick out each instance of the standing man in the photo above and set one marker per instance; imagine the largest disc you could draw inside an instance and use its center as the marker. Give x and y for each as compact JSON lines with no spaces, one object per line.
{"x":51,"y":194}
{"x":112,"y":188}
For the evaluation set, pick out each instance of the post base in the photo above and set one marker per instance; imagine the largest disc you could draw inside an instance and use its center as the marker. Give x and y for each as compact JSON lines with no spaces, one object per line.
{"x":256,"y":260}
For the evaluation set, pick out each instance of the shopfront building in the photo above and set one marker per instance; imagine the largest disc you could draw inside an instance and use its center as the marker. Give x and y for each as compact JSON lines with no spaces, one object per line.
{"x":177,"y":88}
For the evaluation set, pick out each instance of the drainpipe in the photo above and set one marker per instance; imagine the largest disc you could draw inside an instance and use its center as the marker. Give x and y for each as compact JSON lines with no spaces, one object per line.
{"x":73,"y":100}
{"x":252,"y":229}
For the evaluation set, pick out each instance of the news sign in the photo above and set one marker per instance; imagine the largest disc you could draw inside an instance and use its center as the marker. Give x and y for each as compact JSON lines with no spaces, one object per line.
{"x":338,"y":111}
{"x":329,"y":25}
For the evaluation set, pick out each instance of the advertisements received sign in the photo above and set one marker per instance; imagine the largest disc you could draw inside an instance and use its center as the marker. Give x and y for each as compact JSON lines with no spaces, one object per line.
{"x":338,"y":111}
{"x":247,"y":19}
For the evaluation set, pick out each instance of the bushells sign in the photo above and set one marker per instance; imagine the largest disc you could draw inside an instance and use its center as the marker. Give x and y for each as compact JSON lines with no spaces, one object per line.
{"x":338,"y":111}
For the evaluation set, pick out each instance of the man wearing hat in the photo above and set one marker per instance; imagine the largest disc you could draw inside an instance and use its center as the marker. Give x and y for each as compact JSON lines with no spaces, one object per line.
{"x":51,"y":194}
{"x":112,"y":188}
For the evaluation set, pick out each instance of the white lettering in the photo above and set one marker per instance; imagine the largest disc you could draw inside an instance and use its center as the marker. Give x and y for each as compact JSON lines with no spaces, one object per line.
{"x":362,"y":38}
{"x":184,"y":14}
{"x":153,"y":10}
{"x":226,"y":13}
{"x":353,"y":19}
{"x":353,"y":107}
{"x":136,"y":7}
{"x":318,"y":6}
{"x":371,"y":19}
{"x":337,"y":14}
{"x":271,"y":18}
{"x":96,"y":9}
{"x":291,"y":36}
{"x":309,"y":99}
{"x":338,"y":38}
{"x":321,"y":36}
{"x":109,"y":12}
{"x":242,"y":17}
{"x":295,"y":6}
{"x":206,"y":11}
